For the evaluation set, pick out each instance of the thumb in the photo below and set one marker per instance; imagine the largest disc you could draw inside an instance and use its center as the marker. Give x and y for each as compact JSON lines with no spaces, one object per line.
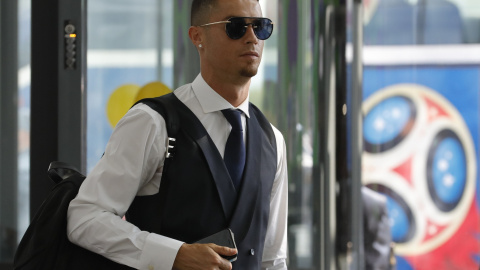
{"x":223,"y":250}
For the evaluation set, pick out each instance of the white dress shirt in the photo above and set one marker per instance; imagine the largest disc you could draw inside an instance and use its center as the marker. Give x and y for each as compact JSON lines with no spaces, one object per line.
{"x":132,"y":166}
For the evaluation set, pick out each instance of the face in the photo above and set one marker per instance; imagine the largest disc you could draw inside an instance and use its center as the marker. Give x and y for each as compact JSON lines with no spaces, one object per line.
{"x":223,"y":56}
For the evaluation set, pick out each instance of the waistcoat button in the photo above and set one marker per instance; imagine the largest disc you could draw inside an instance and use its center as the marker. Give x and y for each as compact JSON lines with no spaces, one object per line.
{"x":252,"y":251}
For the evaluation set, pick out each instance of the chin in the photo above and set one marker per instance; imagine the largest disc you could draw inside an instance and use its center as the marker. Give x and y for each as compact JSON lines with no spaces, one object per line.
{"x":249,"y":72}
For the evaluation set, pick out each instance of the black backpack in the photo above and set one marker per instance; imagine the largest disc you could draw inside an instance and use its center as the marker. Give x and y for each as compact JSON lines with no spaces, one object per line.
{"x":45,"y":244}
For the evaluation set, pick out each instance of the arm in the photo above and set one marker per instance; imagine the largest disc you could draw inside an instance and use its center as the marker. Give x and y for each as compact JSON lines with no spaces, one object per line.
{"x":131,"y":166}
{"x":275,"y":250}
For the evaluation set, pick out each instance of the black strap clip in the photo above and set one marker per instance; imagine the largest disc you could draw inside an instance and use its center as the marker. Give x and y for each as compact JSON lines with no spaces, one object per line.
{"x":170,"y":147}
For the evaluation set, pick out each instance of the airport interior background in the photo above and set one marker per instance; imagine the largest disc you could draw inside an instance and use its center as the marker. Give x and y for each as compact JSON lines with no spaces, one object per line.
{"x":375,"y":93}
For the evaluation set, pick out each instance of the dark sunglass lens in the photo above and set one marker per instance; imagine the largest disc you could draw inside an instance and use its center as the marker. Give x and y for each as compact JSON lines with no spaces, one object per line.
{"x":263,"y":28}
{"x":236,"y":28}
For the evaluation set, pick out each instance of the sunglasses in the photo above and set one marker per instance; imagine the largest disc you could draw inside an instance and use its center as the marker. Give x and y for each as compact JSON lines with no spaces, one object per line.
{"x":236,"y":27}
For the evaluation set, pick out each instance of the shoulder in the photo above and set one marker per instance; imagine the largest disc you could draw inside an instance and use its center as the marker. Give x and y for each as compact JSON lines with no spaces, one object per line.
{"x":262,"y":118}
{"x":275,"y":136}
{"x":142,"y":110}
{"x":142,"y":116}
{"x":373,"y":202}
{"x":278,"y":135}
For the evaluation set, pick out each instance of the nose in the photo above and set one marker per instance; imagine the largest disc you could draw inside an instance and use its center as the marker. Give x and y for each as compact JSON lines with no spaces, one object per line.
{"x":250,"y":36}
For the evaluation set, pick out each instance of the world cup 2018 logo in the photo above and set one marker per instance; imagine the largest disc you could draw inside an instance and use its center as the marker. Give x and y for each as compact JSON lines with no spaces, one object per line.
{"x":419,"y":152}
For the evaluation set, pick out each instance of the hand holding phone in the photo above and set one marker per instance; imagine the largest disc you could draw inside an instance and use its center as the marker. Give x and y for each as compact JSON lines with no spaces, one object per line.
{"x":223,"y":238}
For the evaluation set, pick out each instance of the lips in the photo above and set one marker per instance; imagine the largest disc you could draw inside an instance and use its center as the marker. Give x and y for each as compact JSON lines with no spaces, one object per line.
{"x":251,"y":54}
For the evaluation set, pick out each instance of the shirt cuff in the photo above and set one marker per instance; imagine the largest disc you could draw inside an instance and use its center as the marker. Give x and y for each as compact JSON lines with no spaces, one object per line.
{"x":159,"y":252}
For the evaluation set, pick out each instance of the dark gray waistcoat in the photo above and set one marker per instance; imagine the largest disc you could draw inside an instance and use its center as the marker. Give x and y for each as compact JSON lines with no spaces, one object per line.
{"x":197,"y":197}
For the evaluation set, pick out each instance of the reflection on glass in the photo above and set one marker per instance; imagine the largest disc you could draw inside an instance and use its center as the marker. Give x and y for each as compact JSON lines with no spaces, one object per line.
{"x":403,"y":22}
{"x":431,"y":172}
{"x":290,"y":102}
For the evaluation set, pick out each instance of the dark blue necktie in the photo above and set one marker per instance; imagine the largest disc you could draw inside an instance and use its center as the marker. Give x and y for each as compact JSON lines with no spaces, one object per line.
{"x":234,"y":156}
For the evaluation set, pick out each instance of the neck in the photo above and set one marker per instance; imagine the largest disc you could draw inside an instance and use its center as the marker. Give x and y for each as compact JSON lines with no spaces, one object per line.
{"x":233,"y":90}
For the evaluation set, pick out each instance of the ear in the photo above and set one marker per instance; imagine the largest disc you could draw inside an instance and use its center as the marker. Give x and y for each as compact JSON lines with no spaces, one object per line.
{"x":195,"y":34}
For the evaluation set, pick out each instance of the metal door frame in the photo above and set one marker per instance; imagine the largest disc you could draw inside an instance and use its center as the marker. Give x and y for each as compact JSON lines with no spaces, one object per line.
{"x":58,"y":96}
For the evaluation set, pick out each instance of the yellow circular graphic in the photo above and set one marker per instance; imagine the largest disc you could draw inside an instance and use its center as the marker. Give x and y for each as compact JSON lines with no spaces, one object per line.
{"x":120,"y":102}
{"x":153,"y":89}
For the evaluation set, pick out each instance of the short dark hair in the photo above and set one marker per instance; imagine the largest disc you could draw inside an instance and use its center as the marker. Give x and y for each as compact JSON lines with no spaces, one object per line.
{"x":201,"y":11}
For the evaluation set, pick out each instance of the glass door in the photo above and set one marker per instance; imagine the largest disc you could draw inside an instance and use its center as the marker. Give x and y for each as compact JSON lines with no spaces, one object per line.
{"x":130,"y":54}
{"x":15,"y":33}
{"x":142,"y":47}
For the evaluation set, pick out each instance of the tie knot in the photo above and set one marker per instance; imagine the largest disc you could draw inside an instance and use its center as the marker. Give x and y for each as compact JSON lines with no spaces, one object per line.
{"x":234,"y":118}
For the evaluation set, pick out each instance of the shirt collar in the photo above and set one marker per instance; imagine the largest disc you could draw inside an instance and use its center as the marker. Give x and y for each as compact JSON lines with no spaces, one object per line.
{"x":211,"y":101}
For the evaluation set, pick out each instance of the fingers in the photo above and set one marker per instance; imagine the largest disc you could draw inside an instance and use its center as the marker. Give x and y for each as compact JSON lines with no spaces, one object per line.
{"x":224,"y":264}
{"x":226,"y":251}
{"x":203,"y":256}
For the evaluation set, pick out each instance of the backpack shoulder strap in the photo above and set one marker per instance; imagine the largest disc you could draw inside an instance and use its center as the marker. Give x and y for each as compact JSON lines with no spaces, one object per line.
{"x":135,"y":214}
{"x":164,"y":106}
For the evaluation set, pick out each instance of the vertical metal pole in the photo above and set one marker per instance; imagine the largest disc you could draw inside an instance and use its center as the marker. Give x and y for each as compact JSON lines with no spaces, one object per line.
{"x":358,"y":261}
{"x":328,"y":136}
{"x":336,"y":216}
{"x":44,"y":96}
{"x":57,"y":92}
{"x":291,"y":121}
{"x":324,"y":170}
{"x":342,"y":138}
{"x":306,"y":120}
{"x":8,"y":128}
{"x":72,"y":84}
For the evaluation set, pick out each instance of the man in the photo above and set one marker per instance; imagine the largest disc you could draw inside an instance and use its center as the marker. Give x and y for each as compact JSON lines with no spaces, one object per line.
{"x":376,"y":230}
{"x":200,"y":193}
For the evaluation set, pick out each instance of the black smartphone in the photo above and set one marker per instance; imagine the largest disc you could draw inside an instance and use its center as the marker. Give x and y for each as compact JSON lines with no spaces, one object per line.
{"x":222,"y":238}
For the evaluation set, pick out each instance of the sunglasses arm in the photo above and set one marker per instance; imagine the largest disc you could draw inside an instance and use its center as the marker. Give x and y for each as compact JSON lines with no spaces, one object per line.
{"x":207,"y":24}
